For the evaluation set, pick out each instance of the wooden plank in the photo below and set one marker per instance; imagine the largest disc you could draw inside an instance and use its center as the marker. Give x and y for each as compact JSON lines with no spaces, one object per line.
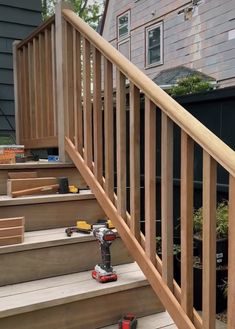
{"x":4,"y":241}
{"x":14,"y":185}
{"x":11,"y":231}
{"x":53,"y":59}
{"x":98,"y":121}
{"x":231,"y":254}
{"x":186,"y":223}
{"x":135,"y":160}
{"x":153,"y":276}
{"x":108,"y":129}
{"x":87,"y":103}
{"x":40,"y":143}
{"x":167,"y":199}
{"x":22,"y":174}
{"x":41,"y":81}
{"x":11,"y":222}
{"x":17,"y":87}
{"x":78,"y":120}
{"x":49,"y":85}
{"x":26,"y":124}
{"x":150,"y":180}
{"x":31,"y":74}
{"x":209,"y":241}
{"x":121,"y":143}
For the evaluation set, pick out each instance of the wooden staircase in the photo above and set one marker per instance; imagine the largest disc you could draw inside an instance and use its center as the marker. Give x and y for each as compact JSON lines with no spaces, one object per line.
{"x":117,"y":126}
{"x":46,"y":282}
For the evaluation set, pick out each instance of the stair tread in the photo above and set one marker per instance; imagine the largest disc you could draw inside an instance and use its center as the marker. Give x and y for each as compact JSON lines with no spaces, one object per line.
{"x":6,"y":200}
{"x":46,"y":238}
{"x":154,"y":321}
{"x":36,"y":164}
{"x":39,"y":294}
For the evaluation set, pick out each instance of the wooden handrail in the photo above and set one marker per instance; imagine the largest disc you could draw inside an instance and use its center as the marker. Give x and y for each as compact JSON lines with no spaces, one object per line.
{"x":221,"y":152}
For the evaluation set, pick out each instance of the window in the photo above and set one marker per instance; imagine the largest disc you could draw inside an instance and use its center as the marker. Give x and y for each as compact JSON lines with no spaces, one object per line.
{"x":124,"y":25}
{"x":154,"y":45}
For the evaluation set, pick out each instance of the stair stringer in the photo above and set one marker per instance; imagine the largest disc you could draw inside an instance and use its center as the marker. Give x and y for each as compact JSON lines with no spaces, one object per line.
{"x":154,"y":278}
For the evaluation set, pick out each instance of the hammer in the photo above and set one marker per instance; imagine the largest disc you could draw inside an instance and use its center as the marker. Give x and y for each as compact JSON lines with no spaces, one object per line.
{"x":62,"y":187}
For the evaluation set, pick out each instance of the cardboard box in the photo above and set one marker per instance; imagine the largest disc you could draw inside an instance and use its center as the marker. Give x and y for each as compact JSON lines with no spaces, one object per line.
{"x":9,"y":153}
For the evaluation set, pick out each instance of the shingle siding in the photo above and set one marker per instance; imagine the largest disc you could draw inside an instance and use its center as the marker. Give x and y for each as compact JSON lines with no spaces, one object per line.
{"x":17,"y":20}
{"x":203,"y":42}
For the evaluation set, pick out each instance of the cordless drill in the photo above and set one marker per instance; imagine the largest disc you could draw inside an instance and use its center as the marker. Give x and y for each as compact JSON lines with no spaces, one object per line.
{"x":104,"y":272}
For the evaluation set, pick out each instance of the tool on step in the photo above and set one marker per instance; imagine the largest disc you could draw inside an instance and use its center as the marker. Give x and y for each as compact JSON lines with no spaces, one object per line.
{"x":104,"y":272}
{"x":128,"y":321}
{"x":83,"y":227}
{"x":73,"y":189}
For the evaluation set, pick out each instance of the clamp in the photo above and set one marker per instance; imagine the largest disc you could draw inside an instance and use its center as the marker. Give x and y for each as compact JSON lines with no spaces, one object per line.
{"x":128,"y":321}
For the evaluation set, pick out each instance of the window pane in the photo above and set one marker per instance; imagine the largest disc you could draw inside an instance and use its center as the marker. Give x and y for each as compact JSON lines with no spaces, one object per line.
{"x":154,"y":45}
{"x":123,"y":19}
{"x":123,"y":25}
{"x":154,"y":37}
{"x":123,"y":30}
{"x":154,"y":55}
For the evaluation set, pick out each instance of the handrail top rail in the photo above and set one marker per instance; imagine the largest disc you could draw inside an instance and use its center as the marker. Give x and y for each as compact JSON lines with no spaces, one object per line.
{"x":220,"y":151}
{"x":38,"y":30}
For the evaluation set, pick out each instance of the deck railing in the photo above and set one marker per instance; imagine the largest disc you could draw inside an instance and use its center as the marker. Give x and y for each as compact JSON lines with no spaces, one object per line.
{"x":100,"y":125}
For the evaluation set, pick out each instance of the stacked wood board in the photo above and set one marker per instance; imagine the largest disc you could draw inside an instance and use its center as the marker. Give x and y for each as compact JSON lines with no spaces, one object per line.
{"x":11,"y":230}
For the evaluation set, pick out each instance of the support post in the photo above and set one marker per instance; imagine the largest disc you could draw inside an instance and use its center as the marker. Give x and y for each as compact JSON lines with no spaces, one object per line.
{"x":16,"y":92}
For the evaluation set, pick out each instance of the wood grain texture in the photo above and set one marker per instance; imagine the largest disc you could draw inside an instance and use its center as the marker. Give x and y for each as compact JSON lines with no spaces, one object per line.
{"x":22,"y":174}
{"x":209,"y":241}
{"x":17,"y":87}
{"x":135,"y":160}
{"x":14,"y":185}
{"x":9,"y":240}
{"x":150,"y":180}
{"x":97,"y":117}
{"x":186,"y":222}
{"x":108,"y":129}
{"x":121,"y":143}
{"x":11,"y":222}
{"x":167,"y":199}
{"x":231,"y":255}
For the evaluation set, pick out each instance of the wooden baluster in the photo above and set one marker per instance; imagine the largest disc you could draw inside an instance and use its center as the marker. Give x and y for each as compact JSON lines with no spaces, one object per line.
{"x":36,"y":84}
{"x":231,"y":254}
{"x":46,"y":125}
{"x":18,"y":87}
{"x":186,"y":223}
{"x":121,"y":143}
{"x":77,"y":91}
{"x":26,"y":124}
{"x":167,"y":200}
{"x":55,"y":130}
{"x":42,"y":90}
{"x":108,"y":128}
{"x":135,"y":160}
{"x":150,"y":180}
{"x":209,"y":241}
{"x":49,"y":84}
{"x":98,"y":126}
{"x":87,"y":103}
{"x":31,"y":92}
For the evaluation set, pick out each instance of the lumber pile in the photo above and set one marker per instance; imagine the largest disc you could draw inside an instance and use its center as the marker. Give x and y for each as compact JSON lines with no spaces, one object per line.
{"x":11,"y":230}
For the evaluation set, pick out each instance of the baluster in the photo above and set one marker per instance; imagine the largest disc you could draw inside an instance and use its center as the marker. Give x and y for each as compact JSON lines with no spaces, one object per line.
{"x":121,"y":143}
{"x":77,"y":91}
{"x":98,"y":126}
{"x":150,"y":180}
{"x":31,"y":92}
{"x":167,"y":200}
{"x":135,"y":160}
{"x":209,"y":241}
{"x":55,"y":130}
{"x":186,"y":223}
{"x":36,"y":85}
{"x":231,"y":254}
{"x":42,"y":86}
{"x":108,"y":128}
{"x":87,"y":103}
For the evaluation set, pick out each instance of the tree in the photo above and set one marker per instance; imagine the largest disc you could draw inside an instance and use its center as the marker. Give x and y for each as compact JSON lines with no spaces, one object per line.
{"x":90,"y":13}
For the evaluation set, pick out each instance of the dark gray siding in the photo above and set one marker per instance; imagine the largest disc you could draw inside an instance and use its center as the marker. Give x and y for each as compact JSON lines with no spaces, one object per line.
{"x":18,"y":18}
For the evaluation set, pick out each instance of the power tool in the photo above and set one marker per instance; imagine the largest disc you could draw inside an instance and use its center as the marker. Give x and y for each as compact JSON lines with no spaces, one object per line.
{"x":83,"y":227}
{"x":104,"y":272}
{"x":128,"y":321}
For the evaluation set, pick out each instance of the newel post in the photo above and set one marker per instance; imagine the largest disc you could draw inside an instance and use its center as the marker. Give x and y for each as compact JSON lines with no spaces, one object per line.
{"x":61,"y":89}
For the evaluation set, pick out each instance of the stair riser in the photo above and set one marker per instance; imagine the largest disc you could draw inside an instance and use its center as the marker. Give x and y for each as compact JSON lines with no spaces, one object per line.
{"x":54,"y":214}
{"x":72,"y":174}
{"x":42,"y":263}
{"x":91,"y":313}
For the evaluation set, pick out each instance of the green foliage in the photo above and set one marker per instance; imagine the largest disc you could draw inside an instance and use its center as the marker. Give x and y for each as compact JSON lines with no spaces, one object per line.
{"x":176,"y":247}
{"x":190,"y":85}
{"x":221,"y":220}
{"x":90,"y":13}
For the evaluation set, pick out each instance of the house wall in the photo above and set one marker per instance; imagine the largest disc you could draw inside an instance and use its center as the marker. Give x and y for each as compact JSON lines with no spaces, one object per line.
{"x":18,"y":18}
{"x":202,"y":39}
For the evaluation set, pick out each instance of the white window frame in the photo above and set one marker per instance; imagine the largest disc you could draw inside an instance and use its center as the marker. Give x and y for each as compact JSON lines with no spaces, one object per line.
{"x":147,"y":30}
{"x":127,"y":35}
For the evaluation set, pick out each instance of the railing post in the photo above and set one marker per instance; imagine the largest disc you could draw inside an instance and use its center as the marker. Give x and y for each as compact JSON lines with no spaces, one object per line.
{"x":60,"y":77}
{"x":16,"y":91}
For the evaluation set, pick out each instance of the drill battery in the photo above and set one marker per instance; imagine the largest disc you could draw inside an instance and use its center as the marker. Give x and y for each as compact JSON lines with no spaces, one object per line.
{"x":128,"y":321}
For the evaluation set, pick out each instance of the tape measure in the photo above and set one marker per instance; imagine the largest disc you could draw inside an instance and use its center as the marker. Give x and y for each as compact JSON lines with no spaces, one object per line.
{"x":128,"y":321}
